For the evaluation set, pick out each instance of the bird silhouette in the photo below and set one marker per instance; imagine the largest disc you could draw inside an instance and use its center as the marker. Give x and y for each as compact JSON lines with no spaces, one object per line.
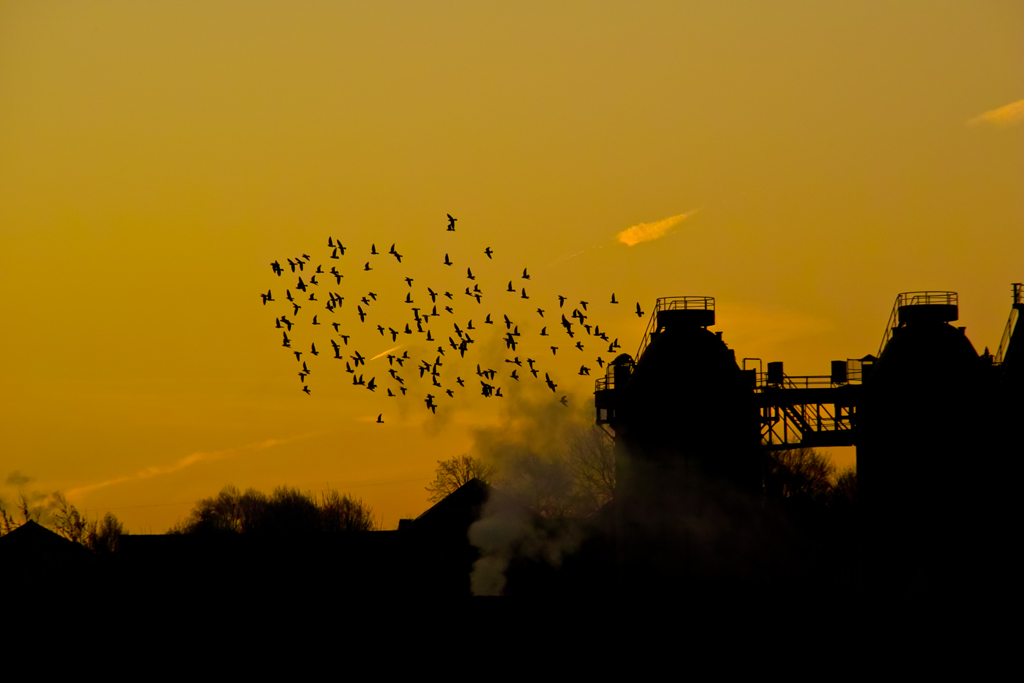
{"x":561,"y":300}
{"x":367,"y":266}
{"x":488,"y":252}
{"x":451,"y":223}
{"x":380,"y":418}
{"x":510,"y":287}
{"x":469,"y":273}
{"x":277,"y":268}
{"x":526,"y":276}
{"x":524,"y":294}
{"x":639,"y":311}
{"x":447,"y":261}
{"x":373,"y":249}
{"x":564,"y":401}
{"x":613,"y":298}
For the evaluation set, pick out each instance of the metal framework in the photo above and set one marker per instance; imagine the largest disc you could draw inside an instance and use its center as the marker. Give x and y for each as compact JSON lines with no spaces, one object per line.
{"x":1011,"y":323}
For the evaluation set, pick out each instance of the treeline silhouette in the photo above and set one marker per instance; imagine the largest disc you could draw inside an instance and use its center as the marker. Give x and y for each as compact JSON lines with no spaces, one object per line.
{"x":287,"y":511}
{"x":546,"y":526}
{"x":101,"y":536}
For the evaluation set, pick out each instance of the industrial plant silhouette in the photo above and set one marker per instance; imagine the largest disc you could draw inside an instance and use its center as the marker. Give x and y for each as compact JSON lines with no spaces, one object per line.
{"x":936,"y":426}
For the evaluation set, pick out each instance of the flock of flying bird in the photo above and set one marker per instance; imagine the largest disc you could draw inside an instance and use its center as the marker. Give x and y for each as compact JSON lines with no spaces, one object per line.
{"x":426,"y":323}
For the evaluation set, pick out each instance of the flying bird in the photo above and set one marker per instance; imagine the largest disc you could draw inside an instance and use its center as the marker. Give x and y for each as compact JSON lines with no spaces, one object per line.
{"x":526,"y":275}
{"x":380,"y":418}
{"x":488,"y":252}
{"x":613,"y":298}
{"x":451,"y":223}
{"x":639,"y":312}
{"x":447,"y":261}
{"x":373,"y":249}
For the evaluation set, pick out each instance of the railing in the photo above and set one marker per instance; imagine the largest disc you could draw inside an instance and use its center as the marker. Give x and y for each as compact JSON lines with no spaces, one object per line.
{"x":795,"y":382}
{"x":673,"y":303}
{"x":854,"y":371}
{"x":1004,"y":342}
{"x":608,"y":381}
{"x":807,"y":381}
{"x":925,"y":298}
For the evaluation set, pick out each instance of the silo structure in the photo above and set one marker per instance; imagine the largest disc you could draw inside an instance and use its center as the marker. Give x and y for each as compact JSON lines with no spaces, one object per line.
{"x":689,"y":484}
{"x":922,"y":425}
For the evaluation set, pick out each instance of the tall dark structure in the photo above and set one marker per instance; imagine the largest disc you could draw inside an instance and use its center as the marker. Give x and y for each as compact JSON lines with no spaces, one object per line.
{"x":921,"y":417}
{"x":936,"y":426}
{"x":688,"y":467}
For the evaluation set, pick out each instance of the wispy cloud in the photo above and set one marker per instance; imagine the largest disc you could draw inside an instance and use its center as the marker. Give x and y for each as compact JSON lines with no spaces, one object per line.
{"x":1008,"y":115}
{"x":645,"y":232}
{"x":181,"y":464}
{"x":384,"y":353}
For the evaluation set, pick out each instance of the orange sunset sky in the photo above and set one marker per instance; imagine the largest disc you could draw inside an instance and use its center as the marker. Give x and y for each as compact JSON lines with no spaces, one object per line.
{"x":802,"y":162}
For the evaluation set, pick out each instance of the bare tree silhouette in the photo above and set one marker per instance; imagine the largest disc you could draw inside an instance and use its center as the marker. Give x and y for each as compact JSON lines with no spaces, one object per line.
{"x":453,"y":473}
